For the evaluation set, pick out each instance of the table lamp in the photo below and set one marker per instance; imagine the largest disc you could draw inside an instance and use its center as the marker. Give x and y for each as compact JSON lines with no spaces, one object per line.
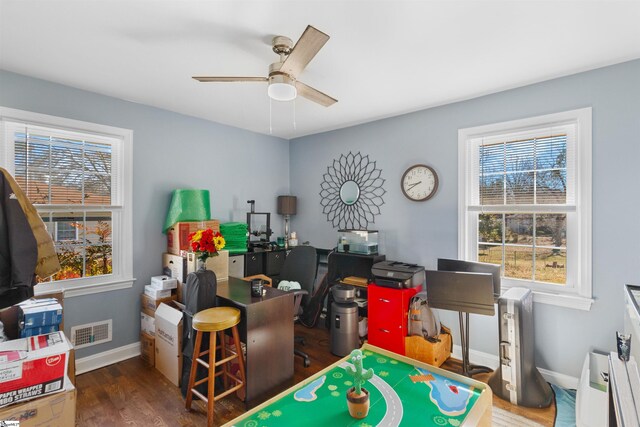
{"x":188,"y":205}
{"x":287,"y":206}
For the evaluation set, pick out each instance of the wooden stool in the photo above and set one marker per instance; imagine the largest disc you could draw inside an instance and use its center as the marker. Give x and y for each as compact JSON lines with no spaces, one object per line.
{"x":215,"y":321}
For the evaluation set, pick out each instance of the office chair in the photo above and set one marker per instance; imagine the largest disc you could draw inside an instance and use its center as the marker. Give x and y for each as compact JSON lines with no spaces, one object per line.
{"x":300,"y":266}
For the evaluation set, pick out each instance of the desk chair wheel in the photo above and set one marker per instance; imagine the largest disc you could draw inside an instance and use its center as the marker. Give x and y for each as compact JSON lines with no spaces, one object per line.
{"x":305,"y":357}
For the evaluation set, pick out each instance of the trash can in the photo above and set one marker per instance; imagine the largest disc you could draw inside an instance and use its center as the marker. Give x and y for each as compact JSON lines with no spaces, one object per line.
{"x":344,"y":328}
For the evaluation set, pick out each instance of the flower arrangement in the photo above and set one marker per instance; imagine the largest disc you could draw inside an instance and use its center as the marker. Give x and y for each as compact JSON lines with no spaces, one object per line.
{"x":206,"y":243}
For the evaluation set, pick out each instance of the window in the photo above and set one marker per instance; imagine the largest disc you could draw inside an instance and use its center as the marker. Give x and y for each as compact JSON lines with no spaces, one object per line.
{"x":78,"y":177}
{"x":66,"y":231}
{"x":525,"y":203}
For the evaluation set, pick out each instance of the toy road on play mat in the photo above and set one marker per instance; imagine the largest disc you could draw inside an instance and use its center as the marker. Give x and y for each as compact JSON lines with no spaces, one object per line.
{"x":403,"y":392}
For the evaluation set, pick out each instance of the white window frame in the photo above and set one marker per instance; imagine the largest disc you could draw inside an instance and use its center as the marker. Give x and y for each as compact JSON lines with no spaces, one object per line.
{"x":122,"y":276}
{"x":578,"y":291}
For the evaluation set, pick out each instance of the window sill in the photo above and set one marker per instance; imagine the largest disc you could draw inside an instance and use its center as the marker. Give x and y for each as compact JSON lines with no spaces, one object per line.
{"x":561,"y":300}
{"x":85,"y":289}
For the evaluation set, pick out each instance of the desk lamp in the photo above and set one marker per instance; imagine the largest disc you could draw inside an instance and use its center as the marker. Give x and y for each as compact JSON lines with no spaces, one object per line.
{"x":287,"y":206}
{"x":188,"y":205}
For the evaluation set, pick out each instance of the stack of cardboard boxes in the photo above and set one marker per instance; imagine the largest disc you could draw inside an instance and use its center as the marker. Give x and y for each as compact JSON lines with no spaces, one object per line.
{"x":161,"y":317}
{"x":37,"y":372}
{"x":161,"y":289}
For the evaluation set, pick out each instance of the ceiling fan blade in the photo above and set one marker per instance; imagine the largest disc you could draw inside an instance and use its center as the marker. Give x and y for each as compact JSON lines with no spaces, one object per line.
{"x":206,"y":79}
{"x":314,"y":95}
{"x":310,"y":42}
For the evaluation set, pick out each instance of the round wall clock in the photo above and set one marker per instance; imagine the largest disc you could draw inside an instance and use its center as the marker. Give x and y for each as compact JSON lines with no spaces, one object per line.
{"x":419,"y":183}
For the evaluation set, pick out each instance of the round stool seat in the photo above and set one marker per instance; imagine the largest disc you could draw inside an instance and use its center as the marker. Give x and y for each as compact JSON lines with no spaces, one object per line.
{"x":216,"y":319}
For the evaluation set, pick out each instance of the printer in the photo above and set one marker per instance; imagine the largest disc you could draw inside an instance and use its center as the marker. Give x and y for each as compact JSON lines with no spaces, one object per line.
{"x":398,"y":275}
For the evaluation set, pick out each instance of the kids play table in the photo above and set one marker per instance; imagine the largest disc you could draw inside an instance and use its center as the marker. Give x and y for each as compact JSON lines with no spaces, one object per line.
{"x":403,"y":392}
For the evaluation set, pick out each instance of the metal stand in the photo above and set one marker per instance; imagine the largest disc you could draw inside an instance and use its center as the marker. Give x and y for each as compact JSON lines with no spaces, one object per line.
{"x":468,"y":370}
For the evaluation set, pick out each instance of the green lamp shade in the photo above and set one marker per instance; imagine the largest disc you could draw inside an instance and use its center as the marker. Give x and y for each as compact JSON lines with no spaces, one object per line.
{"x":188,"y":205}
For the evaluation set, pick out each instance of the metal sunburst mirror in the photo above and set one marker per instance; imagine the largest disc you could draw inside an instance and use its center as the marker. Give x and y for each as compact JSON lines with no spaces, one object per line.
{"x":352,"y":191}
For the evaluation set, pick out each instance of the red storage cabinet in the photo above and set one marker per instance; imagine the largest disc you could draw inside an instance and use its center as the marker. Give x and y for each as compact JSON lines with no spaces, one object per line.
{"x":388,"y":316}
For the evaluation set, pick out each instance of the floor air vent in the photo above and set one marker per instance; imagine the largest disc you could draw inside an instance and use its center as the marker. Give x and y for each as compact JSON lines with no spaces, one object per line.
{"x":91,"y":333}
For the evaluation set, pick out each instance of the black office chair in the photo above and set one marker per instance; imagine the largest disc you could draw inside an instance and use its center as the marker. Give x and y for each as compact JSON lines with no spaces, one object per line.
{"x":300,"y":266}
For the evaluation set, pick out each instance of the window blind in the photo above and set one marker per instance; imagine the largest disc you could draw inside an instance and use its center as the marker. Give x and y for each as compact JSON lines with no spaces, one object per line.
{"x":63,"y":169}
{"x":524,"y":171}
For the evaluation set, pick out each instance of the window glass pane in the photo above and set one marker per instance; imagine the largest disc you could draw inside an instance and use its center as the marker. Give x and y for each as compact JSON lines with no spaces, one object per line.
{"x":551,"y":230}
{"x":551,"y":152}
{"x":518,"y":262}
{"x":491,"y":159}
{"x":551,"y":266}
{"x":36,"y":186}
{"x":492,"y":190}
{"x":99,"y":243}
{"x":551,"y":187}
{"x":490,"y":253}
{"x":519,"y":229}
{"x":97,"y":158}
{"x":519,"y":188}
{"x":97,"y":189}
{"x":490,"y":228}
{"x":66,"y":187}
{"x":519,"y":156}
{"x":71,"y":263}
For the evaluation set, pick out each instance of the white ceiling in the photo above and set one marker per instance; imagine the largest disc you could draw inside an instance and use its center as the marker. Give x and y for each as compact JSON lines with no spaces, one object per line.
{"x":384,"y":58}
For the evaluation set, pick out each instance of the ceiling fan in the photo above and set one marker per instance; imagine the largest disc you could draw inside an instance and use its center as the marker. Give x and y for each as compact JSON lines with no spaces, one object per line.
{"x":283,"y":75}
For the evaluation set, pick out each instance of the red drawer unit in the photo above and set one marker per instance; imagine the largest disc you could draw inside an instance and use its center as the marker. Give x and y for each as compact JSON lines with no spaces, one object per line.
{"x":388,"y":316}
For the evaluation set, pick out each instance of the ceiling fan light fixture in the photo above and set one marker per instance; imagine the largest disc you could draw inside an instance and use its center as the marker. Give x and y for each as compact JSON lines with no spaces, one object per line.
{"x":282,"y":88}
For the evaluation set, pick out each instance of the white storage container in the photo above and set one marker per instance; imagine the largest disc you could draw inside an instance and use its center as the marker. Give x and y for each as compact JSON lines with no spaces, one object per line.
{"x":592,"y":404}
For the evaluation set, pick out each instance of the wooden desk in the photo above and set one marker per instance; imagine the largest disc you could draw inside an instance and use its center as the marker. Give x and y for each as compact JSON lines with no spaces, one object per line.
{"x":403,"y":392}
{"x":266,"y":327}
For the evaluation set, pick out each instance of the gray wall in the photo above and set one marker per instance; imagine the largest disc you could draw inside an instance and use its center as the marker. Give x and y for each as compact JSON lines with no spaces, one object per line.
{"x":169,"y":151}
{"x":422,"y":232}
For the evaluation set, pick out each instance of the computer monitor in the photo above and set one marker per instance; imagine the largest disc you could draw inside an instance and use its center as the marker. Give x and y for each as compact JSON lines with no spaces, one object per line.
{"x":460,"y":291}
{"x":473,"y":267}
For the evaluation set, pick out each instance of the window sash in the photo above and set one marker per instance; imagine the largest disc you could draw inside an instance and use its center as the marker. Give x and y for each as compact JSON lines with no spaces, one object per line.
{"x":12,"y":120}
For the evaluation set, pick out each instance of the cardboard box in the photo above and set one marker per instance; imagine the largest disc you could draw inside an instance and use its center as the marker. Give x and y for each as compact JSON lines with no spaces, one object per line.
{"x":175,"y":266}
{"x":148,"y":305}
{"x":157,"y":294}
{"x":34,"y":366}
{"x":163,"y":282}
{"x":147,"y":324}
{"x":169,"y":341}
{"x":57,"y":410}
{"x":219,"y":264}
{"x":39,"y":330}
{"x":148,"y":348}
{"x":39,"y":312}
{"x":71,"y":369}
{"x":9,"y":316}
{"x":178,"y":234}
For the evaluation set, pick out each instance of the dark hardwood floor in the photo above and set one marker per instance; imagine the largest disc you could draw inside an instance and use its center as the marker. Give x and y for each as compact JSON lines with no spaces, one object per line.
{"x":134,"y":394}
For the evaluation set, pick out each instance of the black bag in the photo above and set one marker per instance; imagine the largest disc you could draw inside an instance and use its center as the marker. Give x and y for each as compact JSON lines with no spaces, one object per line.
{"x":199,"y":294}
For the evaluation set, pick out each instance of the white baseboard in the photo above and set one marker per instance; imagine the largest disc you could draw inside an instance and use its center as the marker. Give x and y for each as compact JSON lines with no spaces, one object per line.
{"x":107,"y":358}
{"x":492,"y":361}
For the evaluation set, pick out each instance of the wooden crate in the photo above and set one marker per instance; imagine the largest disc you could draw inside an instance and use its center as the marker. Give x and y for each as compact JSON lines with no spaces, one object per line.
{"x":432,"y":353}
